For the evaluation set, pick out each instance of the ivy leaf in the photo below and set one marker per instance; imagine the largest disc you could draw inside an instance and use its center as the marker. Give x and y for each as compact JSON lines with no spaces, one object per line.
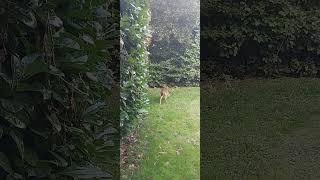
{"x":56,"y":21}
{"x":18,"y":139}
{"x":5,"y":163}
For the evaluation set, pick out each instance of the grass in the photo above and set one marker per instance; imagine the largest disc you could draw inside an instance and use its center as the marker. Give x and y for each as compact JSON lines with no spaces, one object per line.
{"x":261,"y":129}
{"x":170,"y":137}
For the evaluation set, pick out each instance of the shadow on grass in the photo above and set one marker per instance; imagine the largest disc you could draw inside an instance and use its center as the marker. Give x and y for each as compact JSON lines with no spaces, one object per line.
{"x":261,"y":129}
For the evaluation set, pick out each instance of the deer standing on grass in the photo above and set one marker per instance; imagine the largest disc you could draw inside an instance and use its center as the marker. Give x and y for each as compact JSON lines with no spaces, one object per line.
{"x":165,"y":93}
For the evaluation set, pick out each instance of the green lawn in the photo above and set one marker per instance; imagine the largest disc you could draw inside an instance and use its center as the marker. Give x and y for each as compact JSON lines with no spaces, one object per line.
{"x":261,"y":129}
{"x":170,"y":137}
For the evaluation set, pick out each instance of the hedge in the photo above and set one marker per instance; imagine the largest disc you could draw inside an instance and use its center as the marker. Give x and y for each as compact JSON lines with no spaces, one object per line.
{"x":178,"y":70}
{"x":174,"y":52}
{"x":260,"y":38}
{"x":135,"y":17}
{"x":54,"y":78}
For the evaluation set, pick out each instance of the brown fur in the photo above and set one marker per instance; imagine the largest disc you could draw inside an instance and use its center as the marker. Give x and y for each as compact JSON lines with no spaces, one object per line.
{"x":165,"y":92}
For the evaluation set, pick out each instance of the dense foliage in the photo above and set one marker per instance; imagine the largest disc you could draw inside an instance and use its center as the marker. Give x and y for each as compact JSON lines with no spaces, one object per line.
{"x":260,"y":38}
{"x":135,"y":17}
{"x":174,"y":55}
{"x":54,"y":78}
{"x":181,"y":70}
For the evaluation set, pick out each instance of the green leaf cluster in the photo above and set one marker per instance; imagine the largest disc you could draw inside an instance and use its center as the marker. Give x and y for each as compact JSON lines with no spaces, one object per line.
{"x":180,"y":70}
{"x":54,"y":80}
{"x":135,"y":18}
{"x":175,"y":48}
{"x":261,"y":38}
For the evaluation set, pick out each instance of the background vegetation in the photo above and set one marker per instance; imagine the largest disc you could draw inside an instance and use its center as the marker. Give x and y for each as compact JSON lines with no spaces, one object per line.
{"x":175,"y":48}
{"x":56,"y":70}
{"x":260,"y":38}
{"x":135,"y":17}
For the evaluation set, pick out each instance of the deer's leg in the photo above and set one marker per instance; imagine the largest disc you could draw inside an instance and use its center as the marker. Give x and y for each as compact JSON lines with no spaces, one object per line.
{"x":161,"y":99}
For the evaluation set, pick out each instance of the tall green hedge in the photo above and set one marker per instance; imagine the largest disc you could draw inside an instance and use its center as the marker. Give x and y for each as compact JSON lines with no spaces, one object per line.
{"x":260,"y":38}
{"x":174,"y":52}
{"x":135,"y":17}
{"x":177,"y":69}
{"x":54,"y":79}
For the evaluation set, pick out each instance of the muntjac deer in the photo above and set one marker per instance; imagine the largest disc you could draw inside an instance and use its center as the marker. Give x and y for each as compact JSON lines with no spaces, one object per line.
{"x":165,"y":93}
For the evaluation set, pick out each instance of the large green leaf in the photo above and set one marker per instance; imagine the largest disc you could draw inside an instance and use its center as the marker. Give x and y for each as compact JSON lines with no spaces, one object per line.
{"x":75,"y":130}
{"x":5,"y":163}
{"x":74,"y":67}
{"x":70,"y":43}
{"x":61,"y":161}
{"x":91,"y":76}
{"x":105,"y":44}
{"x":11,"y":106}
{"x":85,"y":172}
{"x":6,"y":78}
{"x":29,"y":19}
{"x":31,"y":156}
{"x":11,"y":118}
{"x":56,"y":21}
{"x":18,"y":139}
{"x":55,"y":71}
{"x":102,"y":13}
{"x":54,"y":121}
{"x":30,"y":58}
{"x":88,"y":39}
{"x":34,"y":68}
{"x":107,"y":131}
{"x":42,"y":171}
{"x":94,"y":108}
